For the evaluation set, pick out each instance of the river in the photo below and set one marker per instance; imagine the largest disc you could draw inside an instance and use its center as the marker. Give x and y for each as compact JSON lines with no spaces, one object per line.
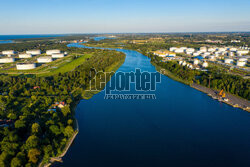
{"x":181,"y":128}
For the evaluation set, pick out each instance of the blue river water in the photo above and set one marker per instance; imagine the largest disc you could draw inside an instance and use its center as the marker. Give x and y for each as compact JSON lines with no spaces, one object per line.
{"x":181,"y":128}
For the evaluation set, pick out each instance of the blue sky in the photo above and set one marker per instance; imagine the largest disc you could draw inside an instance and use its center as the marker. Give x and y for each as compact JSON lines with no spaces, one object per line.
{"x":117,"y":16}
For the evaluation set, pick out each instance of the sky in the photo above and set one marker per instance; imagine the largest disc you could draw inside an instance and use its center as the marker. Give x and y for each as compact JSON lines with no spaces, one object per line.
{"x":122,"y":16}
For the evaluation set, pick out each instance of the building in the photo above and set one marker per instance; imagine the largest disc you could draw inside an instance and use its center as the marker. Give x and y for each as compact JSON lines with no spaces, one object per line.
{"x":50,"y":52}
{"x":233,"y":49}
{"x":242,"y":52}
{"x":26,"y":66}
{"x":196,"y":62}
{"x":243,"y":59}
{"x":164,"y":53}
{"x":33,"y":52}
{"x":205,"y":64}
{"x":8,"y":52}
{"x":58,"y":55}
{"x":212,"y":57}
{"x":241,"y":63}
{"x":7,"y":60}
{"x":172,"y":49}
{"x":228,"y":61}
{"x":203,"y":49}
{"x":179,"y":50}
{"x":221,"y":49}
{"x":45,"y":59}
{"x":25,"y":56}
{"x":211,"y":49}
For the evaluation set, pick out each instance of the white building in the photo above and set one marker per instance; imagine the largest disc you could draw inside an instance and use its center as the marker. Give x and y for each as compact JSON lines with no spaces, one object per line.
{"x":241,"y":63}
{"x":205,"y":65}
{"x":25,"y":66}
{"x":25,"y":56}
{"x":196,"y":54}
{"x":196,"y":62}
{"x":184,"y":63}
{"x":50,"y":52}
{"x":211,"y":49}
{"x":179,"y":50}
{"x":8,"y":52}
{"x":231,"y":54}
{"x":190,"y":50}
{"x":243,"y":59}
{"x":45,"y":59}
{"x":212,"y":57}
{"x":242,"y":52}
{"x":229,"y":61}
{"x":221,"y":49}
{"x":7,"y":60}
{"x":203,"y":49}
{"x":172,"y":49}
{"x":33,"y":52}
{"x":57,"y":55}
{"x":233,"y":49}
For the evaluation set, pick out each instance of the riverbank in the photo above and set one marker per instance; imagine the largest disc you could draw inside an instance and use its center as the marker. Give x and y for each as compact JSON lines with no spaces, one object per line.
{"x":233,"y":100}
{"x":83,"y":95}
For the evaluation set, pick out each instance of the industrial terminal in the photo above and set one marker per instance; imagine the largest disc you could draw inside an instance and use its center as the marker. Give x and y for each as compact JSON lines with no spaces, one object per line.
{"x":30,"y":59}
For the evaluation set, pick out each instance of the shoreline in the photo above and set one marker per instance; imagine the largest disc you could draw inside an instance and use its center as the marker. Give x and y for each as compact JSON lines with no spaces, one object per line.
{"x":234,"y":101}
{"x":84,"y":96}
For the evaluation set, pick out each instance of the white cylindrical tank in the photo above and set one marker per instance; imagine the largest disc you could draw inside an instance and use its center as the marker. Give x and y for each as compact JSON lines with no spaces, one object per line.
{"x":8,"y":52}
{"x":25,"y":66}
{"x":229,"y":61}
{"x":33,"y":52}
{"x":205,"y":65}
{"x":57,"y":55}
{"x":50,"y":52}
{"x":241,"y":63}
{"x":45,"y":59}
{"x":7,"y":60}
{"x":25,"y":56}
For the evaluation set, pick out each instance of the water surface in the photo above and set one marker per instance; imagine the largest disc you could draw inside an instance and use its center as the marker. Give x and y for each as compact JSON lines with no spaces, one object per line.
{"x":181,"y":128}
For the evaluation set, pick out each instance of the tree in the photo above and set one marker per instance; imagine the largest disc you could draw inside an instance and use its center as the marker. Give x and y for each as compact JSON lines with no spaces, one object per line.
{"x":35,"y":128}
{"x":33,"y":155}
{"x":32,"y":142}
{"x":16,"y":162}
{"x":20,"y":124}
{"x":68,"y":131}
{"x":55,"y":130}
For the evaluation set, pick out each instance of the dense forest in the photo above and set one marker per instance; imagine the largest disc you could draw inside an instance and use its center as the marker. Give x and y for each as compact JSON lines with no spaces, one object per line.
{"x":36,"y":127}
